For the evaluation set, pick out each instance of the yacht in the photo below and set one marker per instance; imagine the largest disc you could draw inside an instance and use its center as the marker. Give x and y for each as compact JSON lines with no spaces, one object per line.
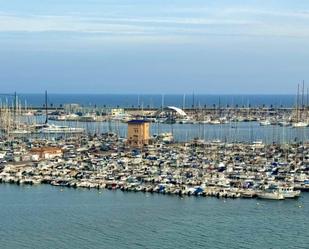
{"x":53,"y":129}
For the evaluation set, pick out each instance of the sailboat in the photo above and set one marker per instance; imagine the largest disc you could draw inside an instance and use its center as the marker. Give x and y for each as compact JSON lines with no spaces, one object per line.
{"x":299,"y":111}
{"x":55,"y":129}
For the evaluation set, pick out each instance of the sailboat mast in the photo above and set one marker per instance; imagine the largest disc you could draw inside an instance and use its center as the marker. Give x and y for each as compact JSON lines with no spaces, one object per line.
{"x":46,"y":108}
{"x":303,"y":95}
{"x":297,"y":103}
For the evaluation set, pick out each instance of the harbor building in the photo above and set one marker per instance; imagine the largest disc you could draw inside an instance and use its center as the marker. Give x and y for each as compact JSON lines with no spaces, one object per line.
{"x":117,"y":111}
{"x":45,"y":153}
{"x":138,"y":133}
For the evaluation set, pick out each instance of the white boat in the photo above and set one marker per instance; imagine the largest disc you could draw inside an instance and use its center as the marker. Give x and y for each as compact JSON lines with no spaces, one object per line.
{"x":300,"y":124}
{"x":284,"y":123}
{"x":215,"y":122}
{"x":270,"y":194}
{"x":166,"y":137}
{"x":2,"y":154}
{"x":68,"y":117}
{"x":185,"y":120}
{"x":258,"y":144}
{"x":265,"y":123}
{"x":19,"y":132}
{"x":289,"y":192}
{"x":248,"y":193}
{"x":29,"y":113}
{"x":53,"y":129}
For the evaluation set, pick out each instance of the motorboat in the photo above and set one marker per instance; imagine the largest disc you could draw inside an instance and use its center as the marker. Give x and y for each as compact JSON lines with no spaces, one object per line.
{"x":270,"y":194}
{"x":265,"y":123}
{"x":299,"y":124}
{"x":166,"y":137}
{"x":19,"y":132}
{"x":53,"y":129}
{"x":289,"y":192}
{"x":2,"y":154}
{"x":284,"y":123}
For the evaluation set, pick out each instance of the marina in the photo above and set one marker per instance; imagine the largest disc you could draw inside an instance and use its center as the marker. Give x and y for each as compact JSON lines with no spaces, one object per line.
{"x":154,"y":124}
{"x":199,"y":168}
{"x":255,"y":152}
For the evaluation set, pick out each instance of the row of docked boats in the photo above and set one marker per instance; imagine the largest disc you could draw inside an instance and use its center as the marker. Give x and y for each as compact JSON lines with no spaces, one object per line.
{"x":299,"y":124}
{"x":227,"y":170}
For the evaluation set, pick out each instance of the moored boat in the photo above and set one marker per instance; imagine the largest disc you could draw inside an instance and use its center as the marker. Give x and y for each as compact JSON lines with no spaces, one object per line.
{"x":270,"y":194}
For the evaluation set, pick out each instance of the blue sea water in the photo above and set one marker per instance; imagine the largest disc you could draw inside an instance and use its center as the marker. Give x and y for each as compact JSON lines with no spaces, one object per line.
{"x":50,"y":217}
{"x":231,"y":132}
{"x":155,"y":100}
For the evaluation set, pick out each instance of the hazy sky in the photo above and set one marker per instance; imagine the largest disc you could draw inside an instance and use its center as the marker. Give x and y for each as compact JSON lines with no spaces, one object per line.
{"x":154,"y":46}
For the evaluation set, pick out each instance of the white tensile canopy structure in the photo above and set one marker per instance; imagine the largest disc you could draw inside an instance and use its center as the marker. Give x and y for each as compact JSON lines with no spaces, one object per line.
{"x":178,"y":111}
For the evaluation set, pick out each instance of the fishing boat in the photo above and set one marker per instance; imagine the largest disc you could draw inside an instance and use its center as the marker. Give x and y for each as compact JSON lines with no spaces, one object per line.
{"x":270,"y":194}
{"x":289,"y":192}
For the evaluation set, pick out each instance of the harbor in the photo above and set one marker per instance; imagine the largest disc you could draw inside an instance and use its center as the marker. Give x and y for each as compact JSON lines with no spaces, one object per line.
{"x":258,"y":152}
{"x":198,"y":168}
{"x":154,"y":124}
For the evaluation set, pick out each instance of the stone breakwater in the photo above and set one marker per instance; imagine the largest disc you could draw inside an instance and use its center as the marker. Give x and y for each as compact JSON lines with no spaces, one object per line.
{"x":197,"y":168}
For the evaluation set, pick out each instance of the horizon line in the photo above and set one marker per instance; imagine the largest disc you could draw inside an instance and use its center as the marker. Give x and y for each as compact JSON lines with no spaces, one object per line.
{"x":145,"y":93}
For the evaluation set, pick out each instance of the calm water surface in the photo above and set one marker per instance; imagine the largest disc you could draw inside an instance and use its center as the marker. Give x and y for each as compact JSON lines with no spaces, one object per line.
{"x":46,"y":217}
{"x":153,"y":100}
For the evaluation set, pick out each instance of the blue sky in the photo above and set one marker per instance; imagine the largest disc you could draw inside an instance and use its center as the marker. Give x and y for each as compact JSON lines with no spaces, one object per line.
{"x":154,"y":46}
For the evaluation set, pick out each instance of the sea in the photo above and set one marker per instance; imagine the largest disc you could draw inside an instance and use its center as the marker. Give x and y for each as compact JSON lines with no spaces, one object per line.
{"x":50,"y":217}
{"x":154,"y":100}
